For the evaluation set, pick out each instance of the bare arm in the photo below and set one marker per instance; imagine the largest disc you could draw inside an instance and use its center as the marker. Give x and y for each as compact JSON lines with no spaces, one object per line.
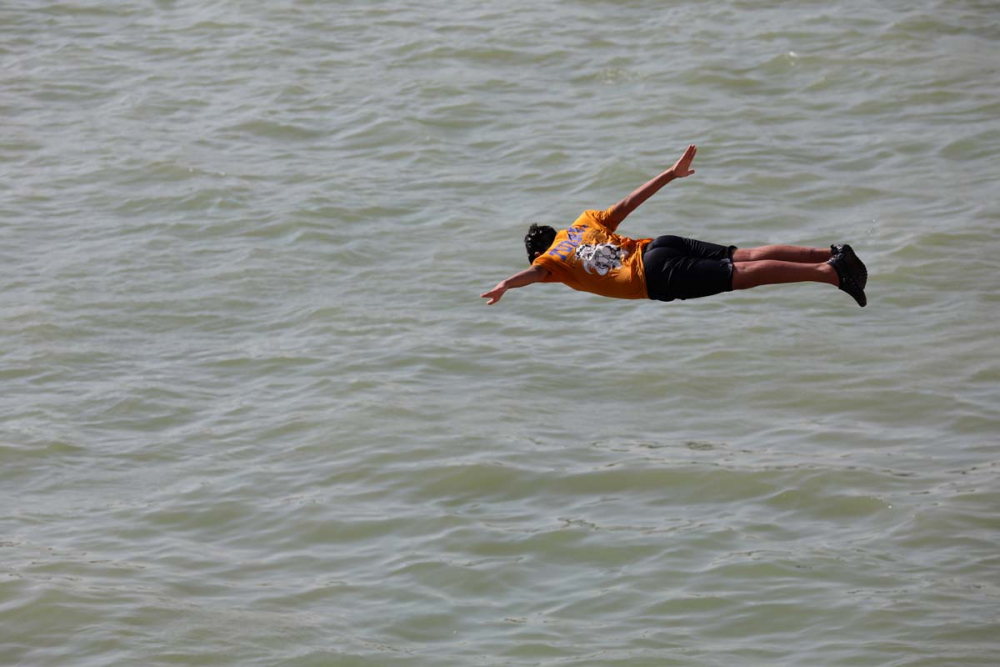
{"x":522,"y":279}
{"x":680,"y":169}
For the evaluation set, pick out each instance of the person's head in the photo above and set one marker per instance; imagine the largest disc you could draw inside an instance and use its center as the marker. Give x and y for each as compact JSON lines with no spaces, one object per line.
{"x":537,"y":240}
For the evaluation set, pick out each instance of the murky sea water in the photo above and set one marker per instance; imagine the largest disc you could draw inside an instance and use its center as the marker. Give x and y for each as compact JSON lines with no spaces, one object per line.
{"x":254,"y":411}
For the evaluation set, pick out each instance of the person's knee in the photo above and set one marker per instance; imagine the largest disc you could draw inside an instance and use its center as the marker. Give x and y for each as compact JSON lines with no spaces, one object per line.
{"x":747,"y":275}
{"x":741,"y":277}
{"x":743,"y":254}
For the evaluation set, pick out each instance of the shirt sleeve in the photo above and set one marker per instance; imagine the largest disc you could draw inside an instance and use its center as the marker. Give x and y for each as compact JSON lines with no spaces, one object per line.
{"x":602,"y":218}
{"x":554,"y":266}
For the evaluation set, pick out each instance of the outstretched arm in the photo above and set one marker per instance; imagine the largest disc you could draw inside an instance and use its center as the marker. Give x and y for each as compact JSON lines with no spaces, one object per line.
{"x":680,"y":169}
{"x":528,"y":276}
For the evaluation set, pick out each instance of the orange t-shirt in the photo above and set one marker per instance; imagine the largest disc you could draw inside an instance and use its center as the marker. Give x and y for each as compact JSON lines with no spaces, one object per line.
{"x":590,"y":257}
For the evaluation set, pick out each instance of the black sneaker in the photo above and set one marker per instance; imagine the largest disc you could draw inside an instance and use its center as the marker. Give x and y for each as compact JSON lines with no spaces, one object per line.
{"x":853,"y":261}
{"x":850,"y":280}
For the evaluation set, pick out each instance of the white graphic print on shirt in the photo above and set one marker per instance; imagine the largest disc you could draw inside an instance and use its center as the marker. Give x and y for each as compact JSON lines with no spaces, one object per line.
{"x":601,"y":258}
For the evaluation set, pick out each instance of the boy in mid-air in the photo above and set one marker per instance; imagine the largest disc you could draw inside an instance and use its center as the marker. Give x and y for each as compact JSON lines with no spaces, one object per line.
{"x":589,"y":256}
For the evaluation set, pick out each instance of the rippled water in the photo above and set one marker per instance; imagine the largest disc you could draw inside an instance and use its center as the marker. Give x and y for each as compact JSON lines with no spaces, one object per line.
{"x":255,"y":413}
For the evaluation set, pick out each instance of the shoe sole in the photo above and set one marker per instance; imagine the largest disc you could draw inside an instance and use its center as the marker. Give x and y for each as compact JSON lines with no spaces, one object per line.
{"x":856,"y":266}
{"x":848,"y":279}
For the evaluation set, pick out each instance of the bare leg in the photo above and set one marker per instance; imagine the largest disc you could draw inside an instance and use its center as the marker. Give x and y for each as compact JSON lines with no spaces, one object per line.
{"x":774,"y":272}
{"x":783,"y":253}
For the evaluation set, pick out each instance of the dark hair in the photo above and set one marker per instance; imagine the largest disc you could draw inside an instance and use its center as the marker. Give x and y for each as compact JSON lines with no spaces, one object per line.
{"x":538,"y":239}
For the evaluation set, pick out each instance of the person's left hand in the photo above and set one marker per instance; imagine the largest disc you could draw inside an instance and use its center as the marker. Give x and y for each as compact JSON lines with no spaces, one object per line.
{"x":494,"y":294}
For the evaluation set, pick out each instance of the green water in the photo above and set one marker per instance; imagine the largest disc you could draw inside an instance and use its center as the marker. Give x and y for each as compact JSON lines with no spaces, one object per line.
{"x":255,"y":413}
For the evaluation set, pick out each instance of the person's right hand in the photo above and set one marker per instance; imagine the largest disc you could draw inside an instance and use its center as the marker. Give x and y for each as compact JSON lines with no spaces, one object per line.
{"x":682,"y":167}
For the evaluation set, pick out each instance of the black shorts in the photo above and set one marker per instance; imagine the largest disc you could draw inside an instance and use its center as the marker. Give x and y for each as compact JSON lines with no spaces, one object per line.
{"x":680,"y":268}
